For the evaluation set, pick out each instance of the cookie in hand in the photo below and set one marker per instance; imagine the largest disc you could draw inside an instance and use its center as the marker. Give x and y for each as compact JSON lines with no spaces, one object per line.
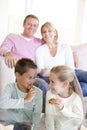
{"x":30,"y":87}
{"x":52,"y":101}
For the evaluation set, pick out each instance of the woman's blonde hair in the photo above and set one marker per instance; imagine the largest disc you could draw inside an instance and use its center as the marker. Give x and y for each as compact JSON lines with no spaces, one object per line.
{"x":66,"y":73}
{"x":50,"y":26}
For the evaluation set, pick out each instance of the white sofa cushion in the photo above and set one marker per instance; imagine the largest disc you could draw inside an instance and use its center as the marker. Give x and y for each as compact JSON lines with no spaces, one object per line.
{"x":6,"y":74}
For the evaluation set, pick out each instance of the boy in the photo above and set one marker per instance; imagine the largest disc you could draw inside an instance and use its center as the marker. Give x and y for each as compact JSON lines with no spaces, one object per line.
{"x":22,"y":101}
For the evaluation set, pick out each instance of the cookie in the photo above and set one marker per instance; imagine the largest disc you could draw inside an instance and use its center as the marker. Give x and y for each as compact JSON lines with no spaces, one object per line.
{"x":52,"y":101}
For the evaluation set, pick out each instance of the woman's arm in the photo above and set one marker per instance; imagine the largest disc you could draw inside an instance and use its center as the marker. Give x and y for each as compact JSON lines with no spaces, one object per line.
{"x":76,"y":59}
{"x":69,"y":60}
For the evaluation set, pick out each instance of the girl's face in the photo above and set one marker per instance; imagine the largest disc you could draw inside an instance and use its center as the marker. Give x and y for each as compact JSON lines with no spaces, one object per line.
{"x":57,"y":86}
{"x":26,"y":80}
{"x":48,"y":34}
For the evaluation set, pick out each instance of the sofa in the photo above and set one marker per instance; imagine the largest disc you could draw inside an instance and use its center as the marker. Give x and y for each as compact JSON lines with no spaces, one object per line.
{"x":6,"y":74}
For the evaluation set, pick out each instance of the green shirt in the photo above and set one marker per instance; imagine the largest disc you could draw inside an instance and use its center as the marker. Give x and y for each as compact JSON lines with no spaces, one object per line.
{"x":13,"y":109}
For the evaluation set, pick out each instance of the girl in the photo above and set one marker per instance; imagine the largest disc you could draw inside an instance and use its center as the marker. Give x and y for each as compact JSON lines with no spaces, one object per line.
{"x":64,"y":100}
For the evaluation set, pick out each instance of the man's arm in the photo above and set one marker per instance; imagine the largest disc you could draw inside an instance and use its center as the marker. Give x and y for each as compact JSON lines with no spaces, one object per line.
{"x":6,"y":51}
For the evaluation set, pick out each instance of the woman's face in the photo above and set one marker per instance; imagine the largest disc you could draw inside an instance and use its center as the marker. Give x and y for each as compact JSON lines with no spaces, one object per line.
{"x":48,"y":34}
{"x":57,"y":86}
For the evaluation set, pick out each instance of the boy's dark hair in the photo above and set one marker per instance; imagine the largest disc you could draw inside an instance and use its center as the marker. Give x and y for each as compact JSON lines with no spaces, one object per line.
{"x":30,"y":16}
{"x":23,"y":65}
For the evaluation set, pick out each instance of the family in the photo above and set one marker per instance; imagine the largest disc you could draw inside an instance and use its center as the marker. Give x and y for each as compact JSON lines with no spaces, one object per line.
{"x":47,"y":65}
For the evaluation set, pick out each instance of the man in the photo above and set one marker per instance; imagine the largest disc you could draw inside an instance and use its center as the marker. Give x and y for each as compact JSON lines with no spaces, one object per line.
{"x":17,"y":46}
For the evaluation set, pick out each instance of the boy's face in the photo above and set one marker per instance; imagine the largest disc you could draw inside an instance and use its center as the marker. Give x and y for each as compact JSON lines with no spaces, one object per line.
{"x":27,"y":79}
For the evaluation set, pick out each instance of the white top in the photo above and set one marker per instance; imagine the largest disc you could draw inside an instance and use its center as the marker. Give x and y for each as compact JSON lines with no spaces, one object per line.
{"x":69,"y":117}
{"x":63,"y":56}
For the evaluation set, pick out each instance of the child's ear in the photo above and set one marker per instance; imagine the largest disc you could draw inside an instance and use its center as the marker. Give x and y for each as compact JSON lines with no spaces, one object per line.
{"x":17,"y":75}
{"x":66,"y":83}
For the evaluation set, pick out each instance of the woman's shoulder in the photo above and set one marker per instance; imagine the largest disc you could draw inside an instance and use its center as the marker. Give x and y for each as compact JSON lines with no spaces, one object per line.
{"x":63,"y":45}
{"x":42,"y":47}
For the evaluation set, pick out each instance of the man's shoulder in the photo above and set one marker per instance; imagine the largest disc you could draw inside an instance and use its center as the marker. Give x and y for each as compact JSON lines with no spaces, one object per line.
{"x":64,"y":46}
{"x":12,"y":36}
{"x":37,"y":40}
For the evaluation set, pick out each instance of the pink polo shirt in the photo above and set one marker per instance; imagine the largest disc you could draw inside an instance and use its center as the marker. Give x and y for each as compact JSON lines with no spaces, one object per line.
{"x":21,"y":47}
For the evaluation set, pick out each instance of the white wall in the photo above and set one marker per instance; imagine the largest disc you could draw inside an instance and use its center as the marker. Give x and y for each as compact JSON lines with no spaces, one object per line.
{"x":61,"y":12}
{"x":3,"y":18}
{"x":84,"y":29}
{"x":12,"y":13}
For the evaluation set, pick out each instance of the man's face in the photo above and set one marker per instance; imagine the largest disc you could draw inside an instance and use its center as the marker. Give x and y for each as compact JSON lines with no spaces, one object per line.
{"x":30,"y":27}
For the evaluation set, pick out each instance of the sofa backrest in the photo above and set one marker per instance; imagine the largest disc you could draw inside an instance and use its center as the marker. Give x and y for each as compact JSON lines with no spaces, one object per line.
{"x":6,"y":74}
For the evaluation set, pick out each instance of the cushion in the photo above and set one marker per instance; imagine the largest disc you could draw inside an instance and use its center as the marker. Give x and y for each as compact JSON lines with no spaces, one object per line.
{"x":6,"y":74}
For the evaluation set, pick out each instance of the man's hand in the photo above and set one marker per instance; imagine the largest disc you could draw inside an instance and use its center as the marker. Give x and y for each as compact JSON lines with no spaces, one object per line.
{"x":10,"y":60}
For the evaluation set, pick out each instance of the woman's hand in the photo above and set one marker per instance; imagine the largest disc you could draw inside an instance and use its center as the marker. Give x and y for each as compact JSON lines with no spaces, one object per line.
{"x":45,"y":72}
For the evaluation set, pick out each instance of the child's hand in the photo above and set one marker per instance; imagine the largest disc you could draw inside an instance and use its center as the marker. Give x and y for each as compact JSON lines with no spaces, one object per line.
{"x":30,"y":95}
{"x":52,"y":101}
{"x":57,"y":102}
